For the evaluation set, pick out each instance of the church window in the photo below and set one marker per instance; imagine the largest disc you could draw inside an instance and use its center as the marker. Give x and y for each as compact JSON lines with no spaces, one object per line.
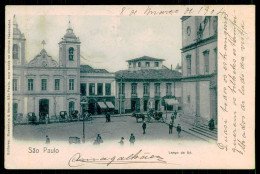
{"x":30,"y":84}
{"x":71,"y":84}
{"x":44,"y":84}
{"x":71,"y":53}
{"x":71,"y":107}
{"x":206,"y":61}
{"x":57,"y":84}
{"x":188,"y":61}
{"x":15,"y":51}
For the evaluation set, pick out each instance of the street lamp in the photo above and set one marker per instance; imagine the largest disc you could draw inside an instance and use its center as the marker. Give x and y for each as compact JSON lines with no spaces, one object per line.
{"x":83,"y":116}
{"x":121,"y":95}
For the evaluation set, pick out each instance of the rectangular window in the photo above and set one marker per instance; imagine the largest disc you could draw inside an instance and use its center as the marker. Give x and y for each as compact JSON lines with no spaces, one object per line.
{"x":130,"y":65}
{"x":139,"y":64}
{"x":100,"y":89}
{"x":83,"y":88}
{"x":134,"y":88}
{"x":188,"y":99}
{"x":168,"y":88}
{"x":147,"y":64}
{"x":146,"y":89}
{"x":15,"y":84}
{"x":30,"y":84}
{"x":57,"y":84}
{"x":44,"y":84}
{"x":108,"y":89}
{"x":71,"y":84}
{"x":134,"y":64}
{"x":156,"y":64}
{"x":206,"y":61}
{"x":157,"y":88}
{"x":92,"y":89}
{"x":121,"y":89}
{"x":188,"y":61}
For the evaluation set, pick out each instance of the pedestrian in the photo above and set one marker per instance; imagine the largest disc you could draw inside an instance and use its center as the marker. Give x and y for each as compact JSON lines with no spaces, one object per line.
{"x":175,"y":114}
{"x":179,"y":130}
{"x":121,"y":142}
{"x":211,"y":124}
{"x":47,"y":140}
{"x":197,"y":120}
{"x":47,"y":118}
{"x":99,"y":139}
{"x":106,"y":117}
{"x":172,"y":118}
{"x":132,"y":139}
{"x":144,"y":127}
{"x":170,"y":127}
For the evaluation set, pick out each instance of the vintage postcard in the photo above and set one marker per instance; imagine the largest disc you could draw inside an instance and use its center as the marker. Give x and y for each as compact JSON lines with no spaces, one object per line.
{"x":130,"y":87}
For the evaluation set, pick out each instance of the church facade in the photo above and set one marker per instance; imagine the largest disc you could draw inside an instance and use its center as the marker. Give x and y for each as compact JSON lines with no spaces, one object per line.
{"x":199,"y":66}
{"x":43,"y":85}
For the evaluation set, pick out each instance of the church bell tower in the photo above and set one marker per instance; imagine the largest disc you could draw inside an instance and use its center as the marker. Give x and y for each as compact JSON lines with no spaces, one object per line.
{"x":18,"y":44}
{"x":69,"y":49}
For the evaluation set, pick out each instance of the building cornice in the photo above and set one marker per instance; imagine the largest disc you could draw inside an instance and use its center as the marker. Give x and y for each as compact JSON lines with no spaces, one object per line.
{"x":200,"y":43}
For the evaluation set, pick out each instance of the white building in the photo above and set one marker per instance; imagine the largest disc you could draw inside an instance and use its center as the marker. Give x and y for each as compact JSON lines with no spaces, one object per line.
{"x":199,"y":66}
{"x":45,"y":86}
{"x":145,"y":85}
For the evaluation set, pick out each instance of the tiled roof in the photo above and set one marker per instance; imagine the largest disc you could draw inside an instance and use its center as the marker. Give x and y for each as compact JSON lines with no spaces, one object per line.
{"x":148,"y":74}
{"x":89,"y":69}
{"x":145,"y":58}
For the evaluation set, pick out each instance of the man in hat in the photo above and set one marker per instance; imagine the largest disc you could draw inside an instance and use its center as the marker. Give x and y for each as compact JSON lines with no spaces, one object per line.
{"x":179,"y":130}
{"x":144,"y":127}
{"x":132,"y":139}
{"x":170,"y":127}
{"x":121,"y":142}
{"x":47,"y":140}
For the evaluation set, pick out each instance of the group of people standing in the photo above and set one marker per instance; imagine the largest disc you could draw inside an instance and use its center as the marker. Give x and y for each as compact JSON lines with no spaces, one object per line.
{"x":99,"y":140}
{"x":178,"y":128}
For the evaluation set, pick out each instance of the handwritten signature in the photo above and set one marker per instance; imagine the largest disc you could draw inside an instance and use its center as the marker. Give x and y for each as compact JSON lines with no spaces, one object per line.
{"x":139,"y":157}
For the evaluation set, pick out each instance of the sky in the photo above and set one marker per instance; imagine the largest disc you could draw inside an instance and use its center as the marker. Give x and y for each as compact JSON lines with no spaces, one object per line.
{"x":106,"y":41}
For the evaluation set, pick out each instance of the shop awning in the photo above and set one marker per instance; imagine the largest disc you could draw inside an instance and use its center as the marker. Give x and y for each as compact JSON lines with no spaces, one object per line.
{"x":171,"y":101}
{"x":102,"y":105}
{"x":110,"y":105}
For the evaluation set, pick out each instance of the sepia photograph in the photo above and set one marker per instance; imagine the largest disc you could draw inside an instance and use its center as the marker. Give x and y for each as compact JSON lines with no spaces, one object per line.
{"x":119,"y":82}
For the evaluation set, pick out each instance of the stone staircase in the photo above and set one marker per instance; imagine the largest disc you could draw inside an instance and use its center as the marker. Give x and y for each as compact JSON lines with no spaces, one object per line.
{"x":204,"y":132}
{"x":201,"y":130}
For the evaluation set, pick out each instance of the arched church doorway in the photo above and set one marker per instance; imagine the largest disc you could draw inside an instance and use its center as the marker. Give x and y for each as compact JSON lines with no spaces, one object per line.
{"x":43,"y":108}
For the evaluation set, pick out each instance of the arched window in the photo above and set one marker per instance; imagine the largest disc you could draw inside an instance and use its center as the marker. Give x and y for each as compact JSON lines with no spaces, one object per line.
{"x":71,"y":53}
{"x":71,"y":107}
{"x":15,"y":51}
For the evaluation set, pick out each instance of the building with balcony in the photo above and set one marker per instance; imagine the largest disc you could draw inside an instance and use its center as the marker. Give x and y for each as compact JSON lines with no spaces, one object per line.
{"x":97,"y":88}
{"x":145,"y":85}
{"x":199,"y":66}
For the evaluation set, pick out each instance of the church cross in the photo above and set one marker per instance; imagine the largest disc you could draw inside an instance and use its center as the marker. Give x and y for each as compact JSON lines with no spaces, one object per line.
{"x":43,"y":43}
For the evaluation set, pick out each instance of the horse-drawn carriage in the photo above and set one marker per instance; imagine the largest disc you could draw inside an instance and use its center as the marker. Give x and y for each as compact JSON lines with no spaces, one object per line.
{"x":138,"y":116}
{"x":74,"y":115}
{"x":155,"y":115}
{"x":63,"y":116}
{"x":31,"y":117}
